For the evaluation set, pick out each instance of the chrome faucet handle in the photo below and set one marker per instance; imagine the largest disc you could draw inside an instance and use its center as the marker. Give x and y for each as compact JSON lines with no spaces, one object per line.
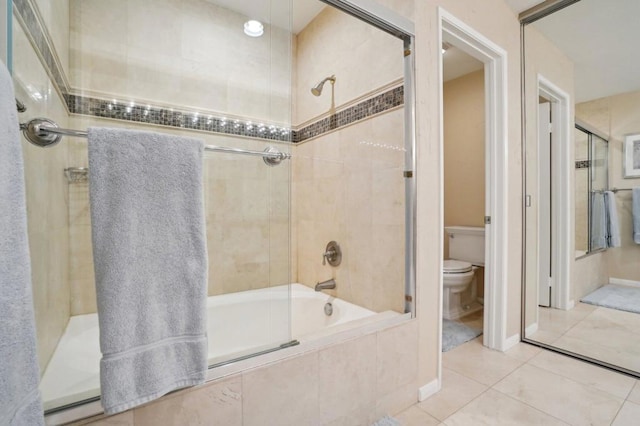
{"x":332,"y":254}
{"x":328,"y":255}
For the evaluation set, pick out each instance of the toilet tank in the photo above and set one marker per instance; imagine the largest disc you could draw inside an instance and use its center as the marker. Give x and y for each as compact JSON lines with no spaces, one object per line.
{"x":466,"y":243}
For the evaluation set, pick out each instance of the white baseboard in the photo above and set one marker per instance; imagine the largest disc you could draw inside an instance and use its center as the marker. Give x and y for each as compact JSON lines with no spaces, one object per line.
{"x":429,"y":389}
{"x":531,"y":329}
{"x":511,"y":342}
{"x":620,"y":281}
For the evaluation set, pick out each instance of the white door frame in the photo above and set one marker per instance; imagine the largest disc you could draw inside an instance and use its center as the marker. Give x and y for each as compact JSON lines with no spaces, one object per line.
{"x":562,"y":242}
{"x":473,"y":43}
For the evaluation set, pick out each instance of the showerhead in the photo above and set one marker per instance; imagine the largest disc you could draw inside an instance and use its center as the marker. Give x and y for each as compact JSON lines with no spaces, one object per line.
{"x":317,"y":89}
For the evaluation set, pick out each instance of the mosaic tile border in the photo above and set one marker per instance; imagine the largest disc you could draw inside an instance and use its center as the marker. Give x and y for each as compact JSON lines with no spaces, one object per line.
{"x":172,"y":117}
{"x":194,"y":120}
{"x":375,"y":105}
{"x":37,"y":32}
{"x":583,"y":164}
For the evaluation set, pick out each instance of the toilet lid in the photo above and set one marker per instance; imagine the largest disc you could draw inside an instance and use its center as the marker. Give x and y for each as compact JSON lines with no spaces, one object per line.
{"x":456,"y":267}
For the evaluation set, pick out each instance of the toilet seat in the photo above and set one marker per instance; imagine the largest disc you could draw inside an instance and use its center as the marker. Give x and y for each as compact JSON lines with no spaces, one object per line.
{"x":456,"y":267}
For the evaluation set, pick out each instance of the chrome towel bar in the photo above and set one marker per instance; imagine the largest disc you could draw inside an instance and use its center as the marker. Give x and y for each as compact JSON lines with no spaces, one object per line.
{"x":43,"y":132}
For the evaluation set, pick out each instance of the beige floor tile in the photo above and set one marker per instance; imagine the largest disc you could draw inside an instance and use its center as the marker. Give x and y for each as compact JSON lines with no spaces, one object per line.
{"x":456,"y":392}
{"x":560,"y":397}
{"x":621,"y":352}
{"x":585,"y":373}
{"x":629,"y":415}
{"x":413,"y":416}
{"x":479,"y":363}
{"x":545,"y":336}
{"x":523,"y":352}
{"x":494,"y":409}
{"x":634,"y":395}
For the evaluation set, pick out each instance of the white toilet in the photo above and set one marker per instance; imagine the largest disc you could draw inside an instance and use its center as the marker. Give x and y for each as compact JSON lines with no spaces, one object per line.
{"x":466,"y":252}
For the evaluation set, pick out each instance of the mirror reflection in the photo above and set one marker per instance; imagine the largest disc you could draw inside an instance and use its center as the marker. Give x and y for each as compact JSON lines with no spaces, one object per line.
{"x":583,"y":296}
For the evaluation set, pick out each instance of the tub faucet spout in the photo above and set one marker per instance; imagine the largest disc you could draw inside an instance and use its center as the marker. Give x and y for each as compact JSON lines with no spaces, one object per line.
{"x":326,"y":285}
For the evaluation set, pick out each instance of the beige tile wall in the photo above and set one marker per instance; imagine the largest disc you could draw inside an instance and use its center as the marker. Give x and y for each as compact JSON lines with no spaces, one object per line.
{"x":247,"y":207}
{"x":348,"y":186}
{"x":55,"y":15}
{"x":591,"y":273}
{"x":353,"y":383}
{"x":362,"y":58}
{"x":47,"y":200}
{"x":188,"y":53}
{"x":615,"y":117}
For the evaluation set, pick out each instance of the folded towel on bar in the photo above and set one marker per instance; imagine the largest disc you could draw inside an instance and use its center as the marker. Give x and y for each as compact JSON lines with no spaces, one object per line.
{"x":598,"y":221}
{"x":20,"y":402}
{"x":150,"y":257}
{"x":613,"y":239}
{"x":635,"y":211}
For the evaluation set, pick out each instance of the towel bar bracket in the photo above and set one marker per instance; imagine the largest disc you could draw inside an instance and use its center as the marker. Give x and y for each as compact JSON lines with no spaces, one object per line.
{"x":34,"y":133}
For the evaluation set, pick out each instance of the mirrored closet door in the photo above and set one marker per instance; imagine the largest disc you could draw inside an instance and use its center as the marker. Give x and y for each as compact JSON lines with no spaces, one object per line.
{"x":582,"y":155}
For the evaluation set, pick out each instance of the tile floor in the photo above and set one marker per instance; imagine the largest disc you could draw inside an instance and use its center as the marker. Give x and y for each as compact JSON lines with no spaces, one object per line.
{"x":525,"y":386}
{"x":605,"y":334}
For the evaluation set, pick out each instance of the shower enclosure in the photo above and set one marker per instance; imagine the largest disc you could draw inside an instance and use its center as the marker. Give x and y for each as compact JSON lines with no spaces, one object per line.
{"x":199,"y":68}
{"x":591,"y":174}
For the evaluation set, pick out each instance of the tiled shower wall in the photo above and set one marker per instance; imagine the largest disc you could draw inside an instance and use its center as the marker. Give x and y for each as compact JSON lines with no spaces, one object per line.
{"x":174,"y":52}
{"x":348,"y":186}
{"x":247,"y":211}
{"x":47,"y":199}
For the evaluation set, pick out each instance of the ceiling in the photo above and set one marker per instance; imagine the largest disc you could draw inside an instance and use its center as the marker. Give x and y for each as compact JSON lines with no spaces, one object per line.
{"x":600,"y":38}
{"x":276,"y":12}
{"x":456,"y":63}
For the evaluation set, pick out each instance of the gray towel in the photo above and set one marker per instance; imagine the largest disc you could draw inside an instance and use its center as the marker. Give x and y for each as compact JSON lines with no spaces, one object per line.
{"x":635,"y":211}
{"x":598,"y":221}
{"x":149,"y":250}
{"x":20,"y":402}
{"x":613,"y":239}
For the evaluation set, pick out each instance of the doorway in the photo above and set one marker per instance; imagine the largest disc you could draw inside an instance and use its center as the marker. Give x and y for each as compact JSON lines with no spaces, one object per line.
{"x":464,"y":196}
{"x":456,"y":33}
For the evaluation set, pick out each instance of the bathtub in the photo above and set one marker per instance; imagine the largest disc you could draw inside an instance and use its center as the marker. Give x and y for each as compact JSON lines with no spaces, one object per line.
{"x":238,"y":324}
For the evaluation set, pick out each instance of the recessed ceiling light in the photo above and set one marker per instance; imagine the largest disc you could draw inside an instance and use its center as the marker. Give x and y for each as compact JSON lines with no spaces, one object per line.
{"x":253,"y":28}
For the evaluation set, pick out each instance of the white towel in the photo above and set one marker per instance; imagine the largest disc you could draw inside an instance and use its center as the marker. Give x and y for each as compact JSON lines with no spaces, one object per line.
{"x":149,"y":250}
{"x":636,"y":214}
{"x":20,"y":402}
{"x":598,"y":222}
{"x":612,"y":218}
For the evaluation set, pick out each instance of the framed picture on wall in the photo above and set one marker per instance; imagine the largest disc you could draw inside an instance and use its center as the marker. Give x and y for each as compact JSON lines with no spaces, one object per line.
{"x":632,"y":156}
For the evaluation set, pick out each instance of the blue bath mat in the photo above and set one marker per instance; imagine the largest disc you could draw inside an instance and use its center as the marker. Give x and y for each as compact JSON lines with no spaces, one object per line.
{"x":617,"y":297}
{"x":455,"y":333}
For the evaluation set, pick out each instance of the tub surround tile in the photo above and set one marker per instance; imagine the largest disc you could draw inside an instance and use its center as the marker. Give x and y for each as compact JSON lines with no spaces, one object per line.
{"x":292,"y":383}
{"x":548,"y":392}
{"x":347,"y":381}
{"x":494,"y":409}
{"x":122,"y":419}
{"x":215,"y":404}
{"x":397,"y":352}
{"x":457,"y":391}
